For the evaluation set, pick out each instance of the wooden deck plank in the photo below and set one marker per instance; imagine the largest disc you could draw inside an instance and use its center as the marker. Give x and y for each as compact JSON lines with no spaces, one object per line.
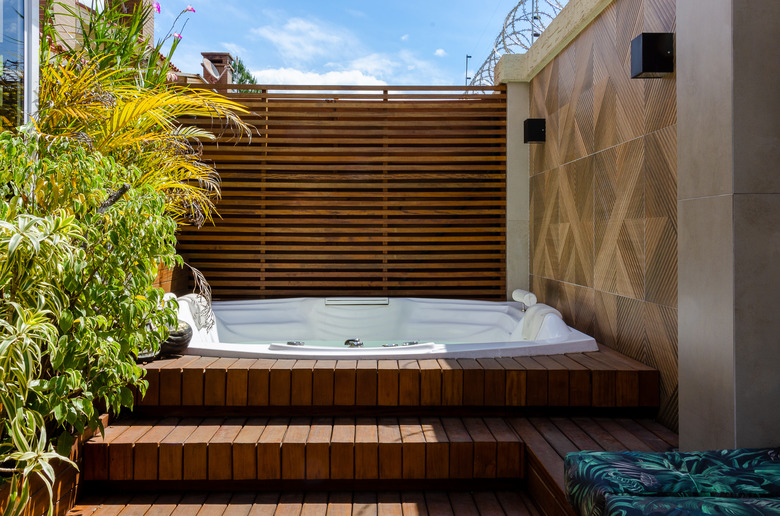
{"x":139,"y":504}
{"x":245,"y":449}
{"x":192,"y":381}
{"x":171,"y":381}
{"x":536,"y":382}
{"x":195,"y":453}
{"x":190,"y":504}
{"x":495,"y":382}
{"x":430,"y":382}
{"x":120,"y":450}
{"x":294,"y":448}
{"x":96,"y":453}
{"x":451,"y":381}
{"x":661,"y":431}
{"x":640,"y":432}
{"x":387,"y":382}
{"x":463,"y":504}
{"x":413,"y":504}
{"x":437,"y":449}
{"x":629,"y":440}
{"x":265,"y":504}
{"x":237,"y":382}
{"x":290,"y":504}
{"x":510,"y":450}
{"x":269,"y":449}
{"x":215,"y":504}
{"x":553,"y":435}
{"x":461,"y":448}
{"x":366,"y":449}
{"x":366,"y":383}
{"x":413,"y":448}
{"x":301,"y":382}
{"x":557,"y":381}
{"x":474,"y":378}
{"x":171,"y":449}
{"x":575,"y":434}
{"x":145,"y":451}
{"x":488,"y":504}
{"x":390,"y":448}
{"x":315,"y":504}
{"x":340,"y":504}
{"x":323,"y":382}
{"x":539,"y":453}
{"x":579,"y":381}
{"x":515,"y":374}
{"x":215,"y":382}
{"x":258,"y":383}
{"x":164,"y":505}
{"x":344,"y":381}
{"x":409,"y":383}
{"x":152,"y":395}
{"x":603,"y":438}
{"x":602,"y":380}
{"x":318,"y":449}
{"x":438,"y":503}
{"x":342,"y":446}
{"x":220,"y":449}
{"x":389,"y":504}
{"x":485,"y":447}
{"x":240,"y":504}
{"x":279,"y":381}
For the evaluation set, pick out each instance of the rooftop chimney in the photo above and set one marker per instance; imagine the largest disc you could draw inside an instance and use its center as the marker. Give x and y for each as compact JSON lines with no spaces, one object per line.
{"x":217,"y":67}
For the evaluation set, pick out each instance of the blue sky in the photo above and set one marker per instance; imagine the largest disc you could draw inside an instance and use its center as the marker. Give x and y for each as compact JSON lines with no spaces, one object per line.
{"x":339,"y":42}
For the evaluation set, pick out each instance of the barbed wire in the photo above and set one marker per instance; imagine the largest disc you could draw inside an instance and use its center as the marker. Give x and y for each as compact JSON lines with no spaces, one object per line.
{"x":522,"y":26}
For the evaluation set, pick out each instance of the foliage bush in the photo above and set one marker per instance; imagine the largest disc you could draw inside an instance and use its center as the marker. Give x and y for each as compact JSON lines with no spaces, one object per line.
{"x":90,"y":199}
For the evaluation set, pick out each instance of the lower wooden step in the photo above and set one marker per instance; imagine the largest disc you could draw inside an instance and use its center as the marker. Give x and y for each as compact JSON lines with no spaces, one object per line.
{"x":416,"y":503}
{"x":241,"y":449}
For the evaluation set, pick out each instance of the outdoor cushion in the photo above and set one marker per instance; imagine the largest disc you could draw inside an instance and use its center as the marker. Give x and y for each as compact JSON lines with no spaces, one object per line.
{"x":590,"y":476}
{"x":623,"y":505}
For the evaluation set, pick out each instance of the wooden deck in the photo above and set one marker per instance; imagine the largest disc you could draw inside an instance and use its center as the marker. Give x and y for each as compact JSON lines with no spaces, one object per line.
{"x":413,"y":503}
{"x":481,"y":436}
{"x":603,"y":379}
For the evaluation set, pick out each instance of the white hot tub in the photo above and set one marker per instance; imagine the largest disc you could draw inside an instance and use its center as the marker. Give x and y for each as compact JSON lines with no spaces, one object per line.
{"x":390,"y":328}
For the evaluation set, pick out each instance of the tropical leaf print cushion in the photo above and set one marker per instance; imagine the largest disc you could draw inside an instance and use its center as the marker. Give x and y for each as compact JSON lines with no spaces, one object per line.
{"x":622,"y":505}
{"x":590,"y":476}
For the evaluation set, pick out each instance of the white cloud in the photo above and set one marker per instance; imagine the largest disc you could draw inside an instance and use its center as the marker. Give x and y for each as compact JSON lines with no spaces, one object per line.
{"x":301,"y":41}
{"x":405,"y":37}
{"x":381,"y":65}
{"x":295,"y":76}
{"x":235,"y":50}
{"x":440,"y":52}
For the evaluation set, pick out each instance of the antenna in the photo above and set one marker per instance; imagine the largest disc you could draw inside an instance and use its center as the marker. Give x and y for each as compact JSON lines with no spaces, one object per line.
{"x":467,"y":69}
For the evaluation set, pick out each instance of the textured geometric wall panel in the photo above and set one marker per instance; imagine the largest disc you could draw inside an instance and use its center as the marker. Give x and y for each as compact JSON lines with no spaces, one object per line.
{"x":576,"y":222}
{"x":360,"y":191}
{"x":620,"y":219}
{"x":604,"y":192}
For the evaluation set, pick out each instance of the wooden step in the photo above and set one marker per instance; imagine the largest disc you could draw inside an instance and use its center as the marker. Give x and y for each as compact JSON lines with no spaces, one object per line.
{"x":412,"y":503}
{"x":294,"y":449}
{"x":601,"y":380}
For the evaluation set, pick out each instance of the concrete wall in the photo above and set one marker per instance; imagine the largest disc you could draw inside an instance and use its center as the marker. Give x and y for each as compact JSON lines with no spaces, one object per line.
{"x":728,"y":66}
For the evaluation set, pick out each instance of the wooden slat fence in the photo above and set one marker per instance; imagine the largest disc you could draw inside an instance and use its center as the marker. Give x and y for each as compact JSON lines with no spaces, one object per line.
{"x":359,"y":191}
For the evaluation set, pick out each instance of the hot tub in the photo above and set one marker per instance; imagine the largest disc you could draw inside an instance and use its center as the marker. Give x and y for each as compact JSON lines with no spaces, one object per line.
{"x":377,"y":328}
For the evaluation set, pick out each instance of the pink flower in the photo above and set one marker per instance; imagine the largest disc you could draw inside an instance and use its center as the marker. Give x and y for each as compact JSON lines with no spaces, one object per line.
{"x":156,"y":6}
{"x":172,"y":77}
{"x":190,"y":8}
{"x":177,"y":35}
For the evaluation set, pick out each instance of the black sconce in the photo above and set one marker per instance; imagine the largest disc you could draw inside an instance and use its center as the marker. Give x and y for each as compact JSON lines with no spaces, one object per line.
{"x":652,"y":55}
{"x":533,"y":130}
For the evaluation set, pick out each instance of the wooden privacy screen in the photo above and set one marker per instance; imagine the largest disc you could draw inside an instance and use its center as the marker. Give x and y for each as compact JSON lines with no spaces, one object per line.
{"x":359,"y":191}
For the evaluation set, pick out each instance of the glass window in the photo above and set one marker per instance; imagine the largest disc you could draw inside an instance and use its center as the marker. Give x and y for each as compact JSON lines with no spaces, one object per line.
{"x":11,"y":63}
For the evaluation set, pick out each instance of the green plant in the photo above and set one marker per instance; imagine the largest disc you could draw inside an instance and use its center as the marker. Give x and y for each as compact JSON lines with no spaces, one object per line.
{"x":79,"y":253}
{"x":111,"y":96}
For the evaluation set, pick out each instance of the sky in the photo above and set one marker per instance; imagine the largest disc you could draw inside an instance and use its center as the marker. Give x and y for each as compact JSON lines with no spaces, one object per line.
{"x":395,"y":42}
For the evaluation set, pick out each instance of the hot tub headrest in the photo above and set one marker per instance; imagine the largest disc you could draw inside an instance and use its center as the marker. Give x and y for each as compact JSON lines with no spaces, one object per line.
{"x":199,"y":307}
{"x":534,"y":318}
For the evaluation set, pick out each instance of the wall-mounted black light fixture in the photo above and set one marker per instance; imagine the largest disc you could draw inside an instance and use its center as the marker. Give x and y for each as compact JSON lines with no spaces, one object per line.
{"x":652,"y":55}
{"x":533,"y":130}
